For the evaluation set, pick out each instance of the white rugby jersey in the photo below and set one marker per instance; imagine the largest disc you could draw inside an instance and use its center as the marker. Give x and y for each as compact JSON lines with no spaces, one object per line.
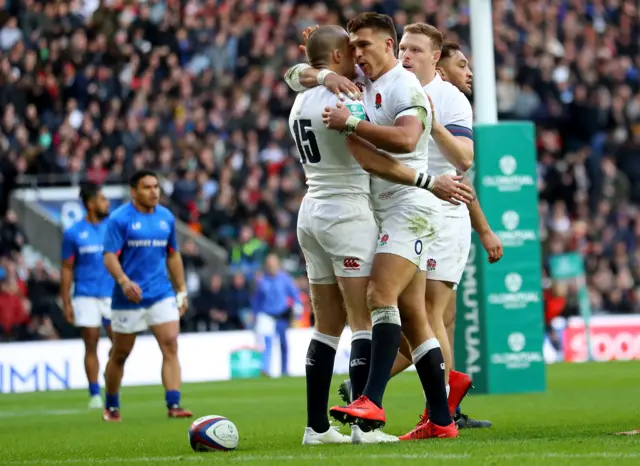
{"x":399,"y":93}
{"x":454,"y":112}
{"x":329,"y":167}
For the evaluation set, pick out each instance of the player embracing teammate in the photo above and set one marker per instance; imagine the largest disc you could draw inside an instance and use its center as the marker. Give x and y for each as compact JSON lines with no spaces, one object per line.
{"x":409,"y":216}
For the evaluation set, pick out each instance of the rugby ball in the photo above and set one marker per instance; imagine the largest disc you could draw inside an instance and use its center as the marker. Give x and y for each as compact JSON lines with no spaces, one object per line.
{"x":213,"y":433}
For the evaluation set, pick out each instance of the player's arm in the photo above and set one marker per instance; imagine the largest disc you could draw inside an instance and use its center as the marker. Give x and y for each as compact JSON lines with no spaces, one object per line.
{"x":113,"y":244}
{"x":66,"y":274}
{"x":388,"y":168}
{"x":479,"y":223}
{"x":401,"y":138}
{"x":175,"y":267}
{"x":455,"y":136}
{"x":301,"y":77}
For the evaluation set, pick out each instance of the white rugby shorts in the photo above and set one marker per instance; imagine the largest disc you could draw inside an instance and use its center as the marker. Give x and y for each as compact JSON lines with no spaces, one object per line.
{"x":447,"y":258}
{"x":408,"y":231}
{"x":89,"y":311}
{"x":337,"y":237}
{"x":139,"y":320}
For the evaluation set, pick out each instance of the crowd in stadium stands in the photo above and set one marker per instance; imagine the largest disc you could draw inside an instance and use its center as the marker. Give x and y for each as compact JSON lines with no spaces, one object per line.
{"x":193,"y":89}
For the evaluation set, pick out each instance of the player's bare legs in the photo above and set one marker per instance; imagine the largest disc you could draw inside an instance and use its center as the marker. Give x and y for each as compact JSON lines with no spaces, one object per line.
{"x":437,"y":297}
{"x":122,"y":346}
{"x":167,"y":337}
{"x":91,"y":337}
{"x":428,"y":359}
{"x":390,"y":275}
{"x":449,"y":319}
{"x":330,"y":320}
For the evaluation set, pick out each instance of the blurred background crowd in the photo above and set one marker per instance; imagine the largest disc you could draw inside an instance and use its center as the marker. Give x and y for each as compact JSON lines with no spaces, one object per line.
{"x":95,"y":89}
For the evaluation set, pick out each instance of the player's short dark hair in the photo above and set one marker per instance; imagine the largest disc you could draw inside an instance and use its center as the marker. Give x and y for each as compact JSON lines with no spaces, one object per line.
{"x":137,"y":176}
{"x":89,"y":191}
{"x":322,"y":42}
{"x":449,"y":49}
{"x":377,"y":22}
{"x":428,"y":30}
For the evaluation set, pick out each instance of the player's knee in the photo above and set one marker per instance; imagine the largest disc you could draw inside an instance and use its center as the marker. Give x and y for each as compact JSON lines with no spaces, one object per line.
{"x":168,"y":346}
{"x":378,"y":296}
{"x":91,"y":346}
{"x":119,"y":355}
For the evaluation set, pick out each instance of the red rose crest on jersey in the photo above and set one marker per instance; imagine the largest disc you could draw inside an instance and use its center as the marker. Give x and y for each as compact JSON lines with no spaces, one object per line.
{"x":383,"y":239}
{"x":351,"y":263}
{"x":431,"y":265}
{"x":378,"y":100}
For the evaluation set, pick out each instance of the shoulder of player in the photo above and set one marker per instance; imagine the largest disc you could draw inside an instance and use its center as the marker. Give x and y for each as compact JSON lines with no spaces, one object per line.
{"x":71,"y":232}
{"x":164,"y":213}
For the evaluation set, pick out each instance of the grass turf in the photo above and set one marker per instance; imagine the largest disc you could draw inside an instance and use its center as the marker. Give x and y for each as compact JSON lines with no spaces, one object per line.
{"x":569,"y":424}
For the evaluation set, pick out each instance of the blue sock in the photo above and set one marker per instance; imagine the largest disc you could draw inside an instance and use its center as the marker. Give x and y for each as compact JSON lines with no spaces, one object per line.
{"x":94,"y":388}
{"x":172,"y":397}
{"x":113,"y":401}
{"x":458,"y":410}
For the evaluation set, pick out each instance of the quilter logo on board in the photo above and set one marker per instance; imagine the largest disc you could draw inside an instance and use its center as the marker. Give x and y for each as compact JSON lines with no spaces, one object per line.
{"x":513,"y":297}
{"x":508,"y":180}
{"x":512,"y":236}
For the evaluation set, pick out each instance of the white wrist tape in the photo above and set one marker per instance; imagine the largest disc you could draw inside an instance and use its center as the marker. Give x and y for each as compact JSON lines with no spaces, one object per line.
{"x":351,"y":124}
{"x":181,"y":298}
{"x":322,"y":75}
{"x":431,"y":181}
{"x":422,"y":180}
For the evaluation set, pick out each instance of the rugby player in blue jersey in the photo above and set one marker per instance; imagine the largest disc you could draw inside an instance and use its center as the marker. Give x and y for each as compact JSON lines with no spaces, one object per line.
{"x":141,"y":254}
{"x":83,"y":266}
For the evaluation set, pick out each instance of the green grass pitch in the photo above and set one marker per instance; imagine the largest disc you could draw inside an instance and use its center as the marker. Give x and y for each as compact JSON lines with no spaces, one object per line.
{"x":569,"y":424}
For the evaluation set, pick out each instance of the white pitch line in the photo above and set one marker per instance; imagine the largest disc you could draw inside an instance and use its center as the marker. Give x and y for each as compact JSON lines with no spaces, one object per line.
{"x":397,"y":456}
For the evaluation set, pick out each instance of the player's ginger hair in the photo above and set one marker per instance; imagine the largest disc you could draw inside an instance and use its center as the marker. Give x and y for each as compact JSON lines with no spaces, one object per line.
{"x":437,"y":39}
{"x":321,"y":44}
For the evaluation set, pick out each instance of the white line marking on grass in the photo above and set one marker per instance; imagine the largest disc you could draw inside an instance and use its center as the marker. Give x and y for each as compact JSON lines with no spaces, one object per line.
{"x":255,"y":458}
{"x":42,"y":412}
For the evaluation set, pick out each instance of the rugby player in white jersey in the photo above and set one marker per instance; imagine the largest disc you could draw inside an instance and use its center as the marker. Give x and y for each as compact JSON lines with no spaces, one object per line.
{"x":451,"y":150}
{"x":337,"y":232}
{"x":409,"y":219}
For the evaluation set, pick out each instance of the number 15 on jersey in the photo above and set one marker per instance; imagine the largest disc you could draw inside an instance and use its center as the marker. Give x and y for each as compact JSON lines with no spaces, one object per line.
{"x":306,"y":141}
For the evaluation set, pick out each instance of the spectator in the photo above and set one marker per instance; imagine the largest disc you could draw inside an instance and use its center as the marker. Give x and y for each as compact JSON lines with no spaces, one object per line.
{"x":275,"y":300}
{"x":237,"y":304}
{"x":210,"y":306}
{"x":12,"y":237}
{"x":13,"y":315}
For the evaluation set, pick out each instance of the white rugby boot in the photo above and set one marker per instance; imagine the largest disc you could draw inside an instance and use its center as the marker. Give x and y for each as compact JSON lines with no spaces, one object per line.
{"x":332,"y":436}
{"x":375,"y":436}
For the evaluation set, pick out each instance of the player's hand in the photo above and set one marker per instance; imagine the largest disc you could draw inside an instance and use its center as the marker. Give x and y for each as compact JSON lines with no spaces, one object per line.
{"x":69,"y":316}
{"x":305,"y":37}
{"x":335,"y":117}
{"x":434,"y":121}
{"x":492,"y":244}
{"x":132,"y":291}
{"x":450,"y":188}
{"x":342,"y":87}
{"x":183,"y":302}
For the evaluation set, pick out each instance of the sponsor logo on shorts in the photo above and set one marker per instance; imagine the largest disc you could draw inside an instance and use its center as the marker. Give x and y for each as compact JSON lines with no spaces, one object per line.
{"x":351,"y":263}
{"x":431,"y":264}
{"x":383,"y":239}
